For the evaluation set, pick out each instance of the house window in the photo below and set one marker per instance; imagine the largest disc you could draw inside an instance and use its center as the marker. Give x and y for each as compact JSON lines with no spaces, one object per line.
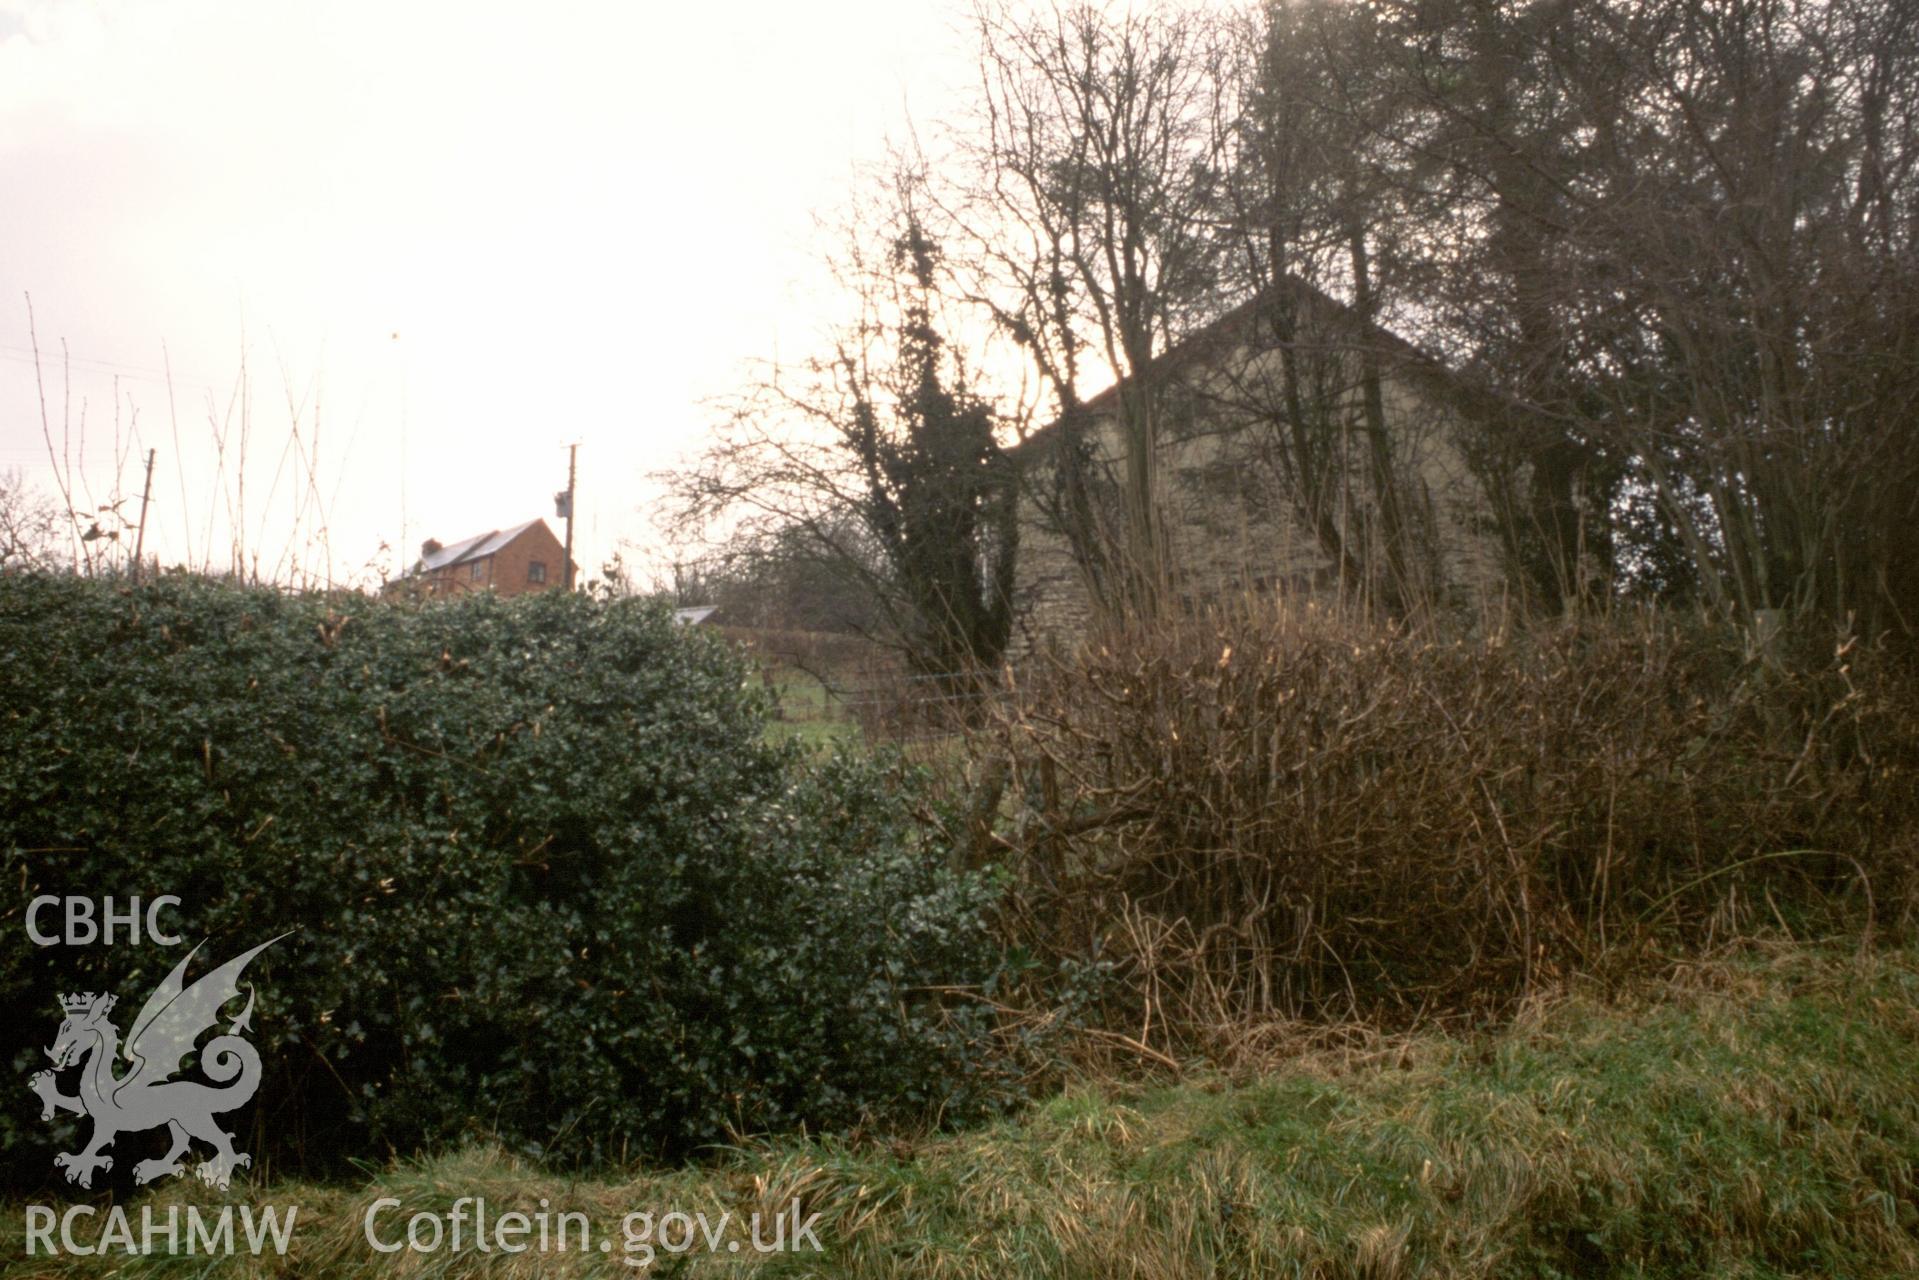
{"x":536,"y":571}
{"x":476,"y":570}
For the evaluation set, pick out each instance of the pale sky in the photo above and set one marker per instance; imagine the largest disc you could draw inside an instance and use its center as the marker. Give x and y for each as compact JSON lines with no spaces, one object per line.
{"x":579,"y":220}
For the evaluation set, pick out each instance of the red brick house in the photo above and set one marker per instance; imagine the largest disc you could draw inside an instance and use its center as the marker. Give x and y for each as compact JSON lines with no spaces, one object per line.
{"x":507,"y":562}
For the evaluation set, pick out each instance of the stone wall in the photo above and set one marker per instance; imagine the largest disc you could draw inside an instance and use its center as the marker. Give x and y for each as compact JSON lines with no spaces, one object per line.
{"x":1229,"y":514}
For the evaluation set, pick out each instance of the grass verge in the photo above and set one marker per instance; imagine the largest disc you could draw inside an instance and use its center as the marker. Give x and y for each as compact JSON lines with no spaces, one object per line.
{"x":1756,"y":1116}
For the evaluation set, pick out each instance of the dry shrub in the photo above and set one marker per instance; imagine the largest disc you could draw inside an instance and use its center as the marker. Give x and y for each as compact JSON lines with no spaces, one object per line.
{"x":1262,"y":814}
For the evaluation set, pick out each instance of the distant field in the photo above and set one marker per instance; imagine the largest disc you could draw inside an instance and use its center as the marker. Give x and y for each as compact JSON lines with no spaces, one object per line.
{"x":1753,"y":1117}
{"x":808,"y":711}
{"x":830,"y":688}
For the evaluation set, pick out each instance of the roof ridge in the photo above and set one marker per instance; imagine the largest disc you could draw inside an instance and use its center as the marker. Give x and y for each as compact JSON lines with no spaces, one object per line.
{"x":475,"y":547}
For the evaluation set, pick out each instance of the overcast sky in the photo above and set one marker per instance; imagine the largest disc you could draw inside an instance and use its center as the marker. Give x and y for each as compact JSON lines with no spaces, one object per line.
{"x":475,"y":233}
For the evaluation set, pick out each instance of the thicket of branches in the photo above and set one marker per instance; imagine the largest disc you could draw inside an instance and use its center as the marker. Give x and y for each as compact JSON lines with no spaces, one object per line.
{"x":1266,"y":814}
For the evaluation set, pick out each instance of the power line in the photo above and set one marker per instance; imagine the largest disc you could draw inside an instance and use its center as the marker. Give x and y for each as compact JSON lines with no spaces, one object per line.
{"x":54,"y":360}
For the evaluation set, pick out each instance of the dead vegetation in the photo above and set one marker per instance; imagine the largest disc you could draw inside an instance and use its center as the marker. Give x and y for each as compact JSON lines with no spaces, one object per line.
{"x":1268,"y":814}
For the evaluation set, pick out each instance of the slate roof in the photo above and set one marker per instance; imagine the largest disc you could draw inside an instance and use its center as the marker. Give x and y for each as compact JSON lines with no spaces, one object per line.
{"x":477,"y":547}
{"x":1221,"y":336}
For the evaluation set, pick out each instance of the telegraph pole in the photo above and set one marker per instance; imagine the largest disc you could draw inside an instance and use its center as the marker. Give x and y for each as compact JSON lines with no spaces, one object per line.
{"x":140,"y":539}
{"x":564,"y":501}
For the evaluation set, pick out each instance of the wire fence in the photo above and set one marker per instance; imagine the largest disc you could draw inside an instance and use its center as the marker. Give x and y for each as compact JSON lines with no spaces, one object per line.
{"x":895,"y":707}
{"x":827,"y":685}
{"x":911,"y":708}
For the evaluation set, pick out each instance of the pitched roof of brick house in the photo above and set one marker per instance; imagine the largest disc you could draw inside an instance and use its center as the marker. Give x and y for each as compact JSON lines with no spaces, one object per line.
{"x":477,"y":547}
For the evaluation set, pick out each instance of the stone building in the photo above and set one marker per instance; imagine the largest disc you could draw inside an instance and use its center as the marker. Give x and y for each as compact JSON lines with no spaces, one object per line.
{"x":1269,"y":471}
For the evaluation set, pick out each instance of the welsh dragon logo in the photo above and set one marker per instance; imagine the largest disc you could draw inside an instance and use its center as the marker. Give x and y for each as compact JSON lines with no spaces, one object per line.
{"x":146,"y":1097}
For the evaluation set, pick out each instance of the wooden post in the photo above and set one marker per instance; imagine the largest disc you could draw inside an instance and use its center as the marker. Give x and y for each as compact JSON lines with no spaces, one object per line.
{"x":572,"y":459}
{"x":140,"y":538}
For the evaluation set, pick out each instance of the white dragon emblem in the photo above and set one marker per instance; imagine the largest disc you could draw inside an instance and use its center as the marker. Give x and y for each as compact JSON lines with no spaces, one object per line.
{"x":173,"y":1018}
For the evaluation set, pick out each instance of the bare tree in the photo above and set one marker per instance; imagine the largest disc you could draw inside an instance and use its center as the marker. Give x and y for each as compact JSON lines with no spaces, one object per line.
{"x":1687,"y":232}
{"x":1309,"y":208}
{"x":31,"y":527}
{"x":879,"y":464}
{"x":1668,"y":254}
{"x":1088,"y":204}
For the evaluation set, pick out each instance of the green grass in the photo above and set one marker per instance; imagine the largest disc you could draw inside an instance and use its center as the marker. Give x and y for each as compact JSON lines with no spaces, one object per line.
{"x":1756,"y":1117}
{"x":808,"y":713}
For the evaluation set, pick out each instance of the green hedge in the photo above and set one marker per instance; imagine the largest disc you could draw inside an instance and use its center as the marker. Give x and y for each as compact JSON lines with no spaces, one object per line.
{"x":550,"y":882}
